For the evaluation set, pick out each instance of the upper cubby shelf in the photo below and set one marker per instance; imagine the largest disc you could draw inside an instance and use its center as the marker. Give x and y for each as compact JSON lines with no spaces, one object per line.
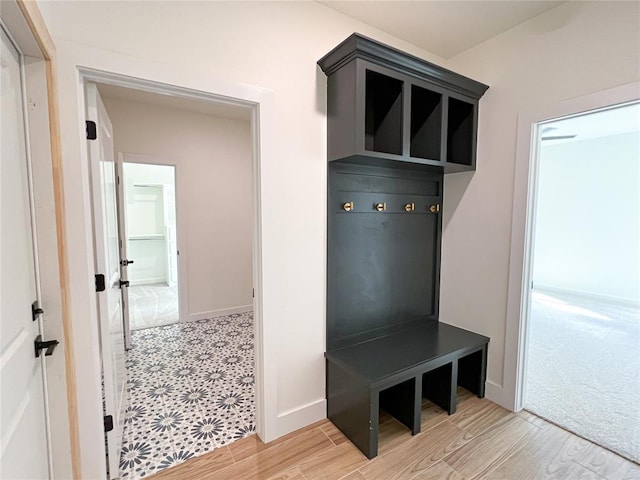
{"x":385,"y":106}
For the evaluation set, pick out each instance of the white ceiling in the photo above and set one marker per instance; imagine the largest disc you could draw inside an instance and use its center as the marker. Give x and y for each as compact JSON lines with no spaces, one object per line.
{"x":445,"y":28}
{"x":217,"y":109}
{"x":604,"y":123}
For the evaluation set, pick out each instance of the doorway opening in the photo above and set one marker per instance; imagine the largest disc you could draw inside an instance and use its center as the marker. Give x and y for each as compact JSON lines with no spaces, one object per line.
{"x":186,"y":225}
{"x":582,"y":369}
{"x":148,"y":217}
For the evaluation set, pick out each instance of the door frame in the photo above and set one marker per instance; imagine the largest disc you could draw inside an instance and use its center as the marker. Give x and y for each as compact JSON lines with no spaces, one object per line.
{"x":24,"y":20}
{"x":261,"y":104}
{"x":522,"y":227}
{"x":181,"y":240}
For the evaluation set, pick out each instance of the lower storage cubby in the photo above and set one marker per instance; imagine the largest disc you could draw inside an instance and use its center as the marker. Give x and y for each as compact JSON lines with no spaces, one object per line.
{"x":471,"y":372}
{"x":437,"y":387}
{"x":399,"y":401}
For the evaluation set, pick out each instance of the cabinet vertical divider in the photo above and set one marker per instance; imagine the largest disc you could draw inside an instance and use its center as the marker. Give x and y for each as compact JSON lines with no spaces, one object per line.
{"x":406,"y":119}
{"x":445,"y":128}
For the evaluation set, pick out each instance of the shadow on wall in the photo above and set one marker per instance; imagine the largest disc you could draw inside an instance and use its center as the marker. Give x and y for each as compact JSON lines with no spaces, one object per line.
{"x":455,"y":186}
{"x":321,"y":91}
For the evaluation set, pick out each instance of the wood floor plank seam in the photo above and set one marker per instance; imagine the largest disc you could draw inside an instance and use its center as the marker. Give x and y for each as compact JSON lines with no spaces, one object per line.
{"x":481,"y":441}
{"x":598,"y":476}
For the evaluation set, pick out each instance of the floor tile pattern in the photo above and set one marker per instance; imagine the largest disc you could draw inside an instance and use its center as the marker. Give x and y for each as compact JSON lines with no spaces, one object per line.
{"x":190,"y":389}
{"x":152,"y":305}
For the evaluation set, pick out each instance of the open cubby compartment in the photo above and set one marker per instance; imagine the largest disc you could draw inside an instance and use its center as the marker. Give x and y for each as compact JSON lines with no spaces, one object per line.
{"x":426,"y":123}
{"x":437,"y":385}
{"x":399,"y":402}
{"x":383,"y":113}
{"x":460,"y":136}
{"x":470,"y":368}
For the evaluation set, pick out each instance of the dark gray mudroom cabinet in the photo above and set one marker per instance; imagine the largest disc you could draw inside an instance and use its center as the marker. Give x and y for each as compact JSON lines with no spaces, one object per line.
{"x":396,"y":125}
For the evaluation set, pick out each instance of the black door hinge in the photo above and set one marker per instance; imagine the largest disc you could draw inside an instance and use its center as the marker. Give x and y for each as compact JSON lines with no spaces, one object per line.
{"x":35,"y":310}
{"x":108,"y":423}
{"x":92,"y":131}
{"x":100,"y":285}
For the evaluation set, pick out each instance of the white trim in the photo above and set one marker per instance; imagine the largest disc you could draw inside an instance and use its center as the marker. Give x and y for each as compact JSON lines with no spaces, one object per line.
{"x":148,"y":281}
{"x":219,"y":313}
{"x":494,"y":392}
{"x":306,"y":415}
{"x":522,"y":228}
{"x":79,"y":63}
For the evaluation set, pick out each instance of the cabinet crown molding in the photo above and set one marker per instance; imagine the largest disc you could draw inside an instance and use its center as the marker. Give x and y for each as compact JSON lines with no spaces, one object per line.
{"x":358,"y":46}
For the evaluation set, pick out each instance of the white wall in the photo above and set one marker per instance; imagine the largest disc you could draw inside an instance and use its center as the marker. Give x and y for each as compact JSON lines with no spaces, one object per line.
{"x":213,"y":159}
{"x":572,"y":50}
{"x":587,"y":236}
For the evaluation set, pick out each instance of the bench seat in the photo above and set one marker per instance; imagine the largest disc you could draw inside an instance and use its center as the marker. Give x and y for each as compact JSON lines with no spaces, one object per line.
{"x":395,"y":372}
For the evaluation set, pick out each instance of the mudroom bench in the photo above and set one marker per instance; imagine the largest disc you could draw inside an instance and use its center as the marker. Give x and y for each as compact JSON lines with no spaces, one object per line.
{"x":396,"y":125}
{"x":396,"y":372}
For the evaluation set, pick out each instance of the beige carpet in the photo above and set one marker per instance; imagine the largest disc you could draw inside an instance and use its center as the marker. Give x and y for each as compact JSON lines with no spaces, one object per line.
{"x":584,"y":368}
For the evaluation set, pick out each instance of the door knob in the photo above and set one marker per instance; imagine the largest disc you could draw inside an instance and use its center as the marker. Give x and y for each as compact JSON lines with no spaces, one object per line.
{"x":124,"y":263}
{"x":124,"y":283}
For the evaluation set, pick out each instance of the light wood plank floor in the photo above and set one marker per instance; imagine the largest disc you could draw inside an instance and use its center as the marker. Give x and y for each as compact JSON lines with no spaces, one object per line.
{"x":481,"y":441}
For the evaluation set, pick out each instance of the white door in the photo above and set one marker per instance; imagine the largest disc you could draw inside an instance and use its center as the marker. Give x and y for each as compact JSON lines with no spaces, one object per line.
{"x":23,"y":428}
{"x":107,"y":263}
{"x":124,"y":255}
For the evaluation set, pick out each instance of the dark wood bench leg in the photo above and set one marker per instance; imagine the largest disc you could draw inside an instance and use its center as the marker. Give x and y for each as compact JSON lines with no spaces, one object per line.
{"x":403,"y":401}
{"x":483,"y":373}
{"x":473,"y":372}
{"x":453,"y":389}
{"x":439,"y":386}
{"x":353,"y":408}
{"x":417,"y":406}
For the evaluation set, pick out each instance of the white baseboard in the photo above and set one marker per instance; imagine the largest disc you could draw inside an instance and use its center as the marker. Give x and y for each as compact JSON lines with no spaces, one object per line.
{"x":218,"y":313}
{"x":495,"y":393}
{"x":149,"y":281}
{"x":300,"y":417}
{"x":581,"y":293}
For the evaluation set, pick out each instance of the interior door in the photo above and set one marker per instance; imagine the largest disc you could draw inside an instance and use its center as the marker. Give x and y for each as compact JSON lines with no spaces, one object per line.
{"x":107,"y":263}
{"x":124,"y":255}
{"x":23,"y":428}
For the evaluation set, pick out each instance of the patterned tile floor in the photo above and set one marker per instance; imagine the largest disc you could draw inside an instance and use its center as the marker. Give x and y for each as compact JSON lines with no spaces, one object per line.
{"x":190,"y":389}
